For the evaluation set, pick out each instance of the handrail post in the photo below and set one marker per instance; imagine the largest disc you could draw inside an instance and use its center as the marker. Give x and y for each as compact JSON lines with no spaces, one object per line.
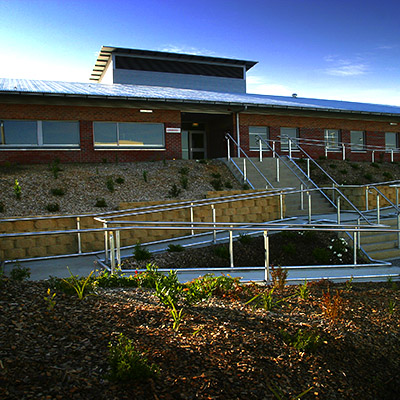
{"x":231,"y":248}
{"x":214,"y":220}
{"x":277,"y":170}
{"x":378,"y":211}
{"x":244,"y":171}
{"x":118,"y":248}
{"x":343,"y":152}
{"x":112,"y":253}
{"x":106,"y":259}
{"x":78,"y":226}
{"x":273,"y":149}
{"x":397,"y":196}
{"x":281,"y":204}
{"x":359,"y":233}
{"x":326,"y":151}
{"x":308,"y":168}
{"x":333,"y":192}
{"x":309,"y":206}
{"x":290,"y":147}
{"x":229,"y":149}
{"x":301,"y":196}
{"x":391,"y":155}
{"x":266,"y":259}
{"x":260,"y":150}
{"x":398,"y":230}
{"x":373,"y":156}
{"x":338,"y":210}
{"x":191,"y":217}
{"x":355,"y":248}
{"x":366,"y":198}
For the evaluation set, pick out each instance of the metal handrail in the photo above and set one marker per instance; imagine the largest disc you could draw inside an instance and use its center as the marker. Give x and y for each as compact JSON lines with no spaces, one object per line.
{"x":228,"y":137}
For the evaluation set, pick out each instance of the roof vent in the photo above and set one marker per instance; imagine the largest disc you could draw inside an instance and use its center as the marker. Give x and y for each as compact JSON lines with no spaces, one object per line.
{"x":294,"y":95}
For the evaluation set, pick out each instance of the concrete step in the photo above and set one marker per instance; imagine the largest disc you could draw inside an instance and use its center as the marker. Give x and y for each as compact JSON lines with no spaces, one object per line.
{"x":386,"y":254}
{"x":378,"y":246}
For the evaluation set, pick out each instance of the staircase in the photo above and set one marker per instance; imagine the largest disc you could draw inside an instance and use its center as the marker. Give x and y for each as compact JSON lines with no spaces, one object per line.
{"x":287,"y":179}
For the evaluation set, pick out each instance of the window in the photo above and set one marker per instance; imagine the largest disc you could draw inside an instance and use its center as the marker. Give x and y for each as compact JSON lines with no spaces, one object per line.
{"x":357,"y":140}
{"x":128,"y":134}
{"x":261,"y":131}
{"x":18,"y":133}
{"x":332,"y":139}
{"x":286,"y":133}
{"x":391,"y":140}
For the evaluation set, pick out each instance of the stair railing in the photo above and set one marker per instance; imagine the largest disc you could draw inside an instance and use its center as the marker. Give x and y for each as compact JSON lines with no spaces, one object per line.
{"x":246,"y":159}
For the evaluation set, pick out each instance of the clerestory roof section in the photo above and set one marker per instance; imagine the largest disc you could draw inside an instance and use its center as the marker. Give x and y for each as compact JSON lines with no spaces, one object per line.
{"x":106,"y":52}
{"x":176,"y":95}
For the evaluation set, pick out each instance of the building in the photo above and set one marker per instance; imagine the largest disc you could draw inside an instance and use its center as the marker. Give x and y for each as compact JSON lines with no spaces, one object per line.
{"x":149,"y":105}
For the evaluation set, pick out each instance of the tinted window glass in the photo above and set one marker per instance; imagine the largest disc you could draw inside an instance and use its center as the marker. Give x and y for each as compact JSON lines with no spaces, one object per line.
{"x":20,"y":132}
{"x":105,"y":133}
{"x":60,"y":132}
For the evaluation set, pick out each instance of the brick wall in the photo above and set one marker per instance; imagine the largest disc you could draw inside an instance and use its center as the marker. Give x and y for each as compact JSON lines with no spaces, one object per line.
{"x":86,"y":115}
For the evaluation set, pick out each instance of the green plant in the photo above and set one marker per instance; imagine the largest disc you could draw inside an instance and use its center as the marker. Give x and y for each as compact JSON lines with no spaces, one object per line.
{"x":289,"y":249}
{"x":343,"y":171}
{"x":333,"y":166}
{"x":349,"y":284}
{"x":184,"y":171}
{"x":120,"y":180}
{"x":266,"y":300}
{"x":53,"y":207}
{"x":222,"y":252}
{"x":375,"y":165}
{"x":332,"y":305}
{"x":322,"y":158}
{"x":175,"y":248}
{"x":369,"y":177}
{"x":200,"y":289}
{"x":148,"y":278}
{"x":49,"y":299}
{"x":228,"y":184}
{"x":203,"y":161}
{"x":20,"y":273}
{"x":321,"y":255}
{"x":277,"y":392}
{"x":174,"y":191}
{"x":126,"y":363}
{"x":110,"y":184}
{"x":141,"y":253}
{"x":2,"y":208}
{"x":17,"y":189}
{"x":100,"y":203}
{"x":184,"y":182}
{"x":308,"y":340}
{"x":145,"y":176}
{"x":216,"y":184}
{"x":245,"y":186}
{"x":55,"y":168}
{"x":176,"y":315}
{"x":279,"y":277}
{"x":302,"y":290}
{"x":388,"y":175}
{"x":57,"y":192}
{"x":245,"y":239}
{"x":391,"y":307}
{"x":82,"y":286}
{"x":355,"y":166}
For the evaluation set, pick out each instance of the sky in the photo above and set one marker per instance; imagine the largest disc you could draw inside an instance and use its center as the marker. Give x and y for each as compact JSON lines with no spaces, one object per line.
{"x":339,"y":50}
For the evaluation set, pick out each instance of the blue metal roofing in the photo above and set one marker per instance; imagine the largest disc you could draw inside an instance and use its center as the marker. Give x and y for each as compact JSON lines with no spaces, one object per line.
{"x":137,"y":92}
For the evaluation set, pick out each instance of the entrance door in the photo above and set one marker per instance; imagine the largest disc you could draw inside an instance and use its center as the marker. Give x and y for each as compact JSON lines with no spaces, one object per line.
{"x":194,"y":145}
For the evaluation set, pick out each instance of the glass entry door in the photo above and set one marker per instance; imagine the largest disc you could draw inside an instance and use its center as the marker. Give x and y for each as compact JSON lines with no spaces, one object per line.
{"x":194,"y":145}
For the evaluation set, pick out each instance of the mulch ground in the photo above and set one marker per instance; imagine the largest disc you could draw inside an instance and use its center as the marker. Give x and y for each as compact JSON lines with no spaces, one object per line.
{"x":223,"y":350}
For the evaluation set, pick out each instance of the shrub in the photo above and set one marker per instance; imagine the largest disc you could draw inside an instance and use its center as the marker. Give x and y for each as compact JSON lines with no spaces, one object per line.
{"x":2,"y":208}
{"x":175,"y":248}
{"x":100,"y":203}
{"x":20,"y":273}
{"x":369,"y":176}
{"x":245,"y":239}
{"x":289,"y":249}
{"x":355,"y":166}
{"x":228,"y":184}
{"x":333,"y":166}
{"x":17,"y":189}
{"x":53,"y":207}
{"x":307,"y":340}
{"x":216,"y":175}
{"x":184,"y":171}
{"x":126,"y":363}
{"x":321,"y":255}
{"x":141,"y":253}
{"x":82,"y":286}
{"x":145,"y":176}
{"x":279,"y":277}
{"x":216,"y":184}
{"x":375,"y":165}
{"x":388,"y":175}
{"x":120,"y":180}
{"x":343,"y":171}
{"x":55,"y":168}
{"x":332,"y":305}
{"x":174,"y":191}
{"x":110,"y":184}
{"x":57,"y":192}
{"x":184,"y":182}
{"x":222,"y":252}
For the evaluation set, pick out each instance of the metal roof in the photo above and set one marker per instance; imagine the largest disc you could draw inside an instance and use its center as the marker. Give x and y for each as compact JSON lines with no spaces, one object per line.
{"x":106,"y":52}
{"x":167,"y":94}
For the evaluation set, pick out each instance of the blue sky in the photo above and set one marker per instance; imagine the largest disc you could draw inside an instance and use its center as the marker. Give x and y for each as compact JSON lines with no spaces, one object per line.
{"x":343,"y":49}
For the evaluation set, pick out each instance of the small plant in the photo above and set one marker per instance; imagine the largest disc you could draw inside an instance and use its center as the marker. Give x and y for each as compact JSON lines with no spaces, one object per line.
{"x":343,"y":171}
{"x":216,"y":175}
{"x":120,"y":180}
{"x":322,"y":256}
{"x":104,"y":160}
{"x":184,"y":182}
{"x":17,"y":189}
{"x":322,"y":158}
{"x":20,"y":273}
{"x":141,"y":253}
{"x":333,"y":166}
{"x":228,"y":184}
{"x":100,"y":203}
{"x":175,"y":248}
{"x":222,"y":252}
{"x":349,"y":284}
{"x":245,"y":239}
{"x":375,"y":165}
{"x":57,"y":192}
{"x":289,"y":249}
{"x":110,"y":184}
{"x":2,"y":208}
{"x":55,"y":168}
{"x":145,"y":176}
{"x":53,"y":207}
{"x":369,"y":177}
{"x":82,"y":286}
{"x":388,"y":175}
{"x":126,"y":363}
{"x":200,"y":289}
{"x":355,"y":166}
{"x":176,"y":315}
{"x":184,"y":171}
{"x":277,"y":392}
{"x":217,"y":184}
{"x":391,"y":307}
{"x":245,"y":186}
{"x":279,"y":277}
{"x":302,"y":291}
{"x":266,"y":300}
{"x":49,"y":299}
{"x":302,"y":340}
{"x":174,"y":191}
{"x":332,"y":305}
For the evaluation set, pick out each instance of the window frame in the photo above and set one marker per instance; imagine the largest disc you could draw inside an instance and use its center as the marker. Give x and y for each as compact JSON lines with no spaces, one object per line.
{"x":396,"y":138}
{"x":338,"y":141}
{"x":358,"y":148}
{"x":257,"y":146}
{"x":285,"y":145}
{"x":118,"y":146}
{"x":39,"y":134}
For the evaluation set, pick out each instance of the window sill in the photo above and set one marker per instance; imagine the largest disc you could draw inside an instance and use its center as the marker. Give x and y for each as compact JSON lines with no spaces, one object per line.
{"x":40,"y":148}
{"x":116,"y":148}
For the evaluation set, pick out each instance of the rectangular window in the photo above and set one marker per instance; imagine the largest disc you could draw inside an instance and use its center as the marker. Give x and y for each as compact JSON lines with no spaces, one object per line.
{"x":18,"y":133}
{"x":128,"y":134}
{"x":357,"y":140}
{"x":286,"y":134}
{"x":390,"y":140}
{"x":261,"y":131}
{"x":332,"y":139}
